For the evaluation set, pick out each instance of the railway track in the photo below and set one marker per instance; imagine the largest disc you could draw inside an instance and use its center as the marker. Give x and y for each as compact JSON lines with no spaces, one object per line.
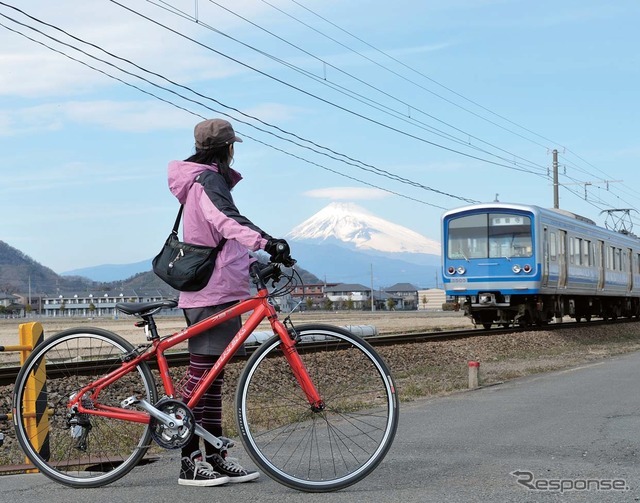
{"x":8,"y":374}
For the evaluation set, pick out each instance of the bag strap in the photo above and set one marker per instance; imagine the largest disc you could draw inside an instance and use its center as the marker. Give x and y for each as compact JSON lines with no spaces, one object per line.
{"x":177,"y":224}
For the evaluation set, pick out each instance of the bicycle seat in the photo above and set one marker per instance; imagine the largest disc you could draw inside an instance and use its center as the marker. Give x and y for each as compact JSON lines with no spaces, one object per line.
{"x":143,"y":308}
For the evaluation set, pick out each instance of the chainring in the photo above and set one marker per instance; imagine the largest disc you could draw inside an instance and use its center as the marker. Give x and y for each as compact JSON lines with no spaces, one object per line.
{"x":173,"y":438}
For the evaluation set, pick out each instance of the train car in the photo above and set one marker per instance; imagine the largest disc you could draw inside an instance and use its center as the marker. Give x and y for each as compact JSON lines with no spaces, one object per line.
{"x":518,"y":264}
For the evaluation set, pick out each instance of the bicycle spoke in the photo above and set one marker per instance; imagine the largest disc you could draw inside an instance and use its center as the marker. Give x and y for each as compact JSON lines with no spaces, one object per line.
{"x":85,"y":450}
{"x":326,"y":450}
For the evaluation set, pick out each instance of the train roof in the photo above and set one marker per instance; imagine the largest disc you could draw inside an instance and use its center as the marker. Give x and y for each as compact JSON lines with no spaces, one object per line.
{"x":537,"y":210}
{"x":522,"y":207}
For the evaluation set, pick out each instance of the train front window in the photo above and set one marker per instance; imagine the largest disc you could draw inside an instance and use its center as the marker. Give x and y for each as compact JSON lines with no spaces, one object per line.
{"x":490,"y":235}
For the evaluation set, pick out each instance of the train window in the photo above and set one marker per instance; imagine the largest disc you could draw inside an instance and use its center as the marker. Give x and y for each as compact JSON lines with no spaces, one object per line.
{"x":586,"y":253}
{"x":492,"y":235}
{"x":571,"y":250}
{"x":609,"y":257}
{"x":578,"y":251}
{"x":617,"y":260}
{"x":509,"y":236}
{"x":468,"y":237}
{"x":552,"y":246}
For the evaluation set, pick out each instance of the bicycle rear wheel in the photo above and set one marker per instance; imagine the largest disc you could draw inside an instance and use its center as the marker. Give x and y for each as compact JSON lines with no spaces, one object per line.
{"x":79,"y":450}
{"x":309,"y":450}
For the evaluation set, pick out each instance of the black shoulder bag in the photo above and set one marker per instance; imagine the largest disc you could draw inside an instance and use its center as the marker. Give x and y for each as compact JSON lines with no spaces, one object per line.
{"x":184,"y":266}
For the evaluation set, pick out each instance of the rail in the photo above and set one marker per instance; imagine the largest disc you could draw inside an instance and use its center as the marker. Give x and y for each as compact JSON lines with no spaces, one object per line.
{"x":8,"y":374}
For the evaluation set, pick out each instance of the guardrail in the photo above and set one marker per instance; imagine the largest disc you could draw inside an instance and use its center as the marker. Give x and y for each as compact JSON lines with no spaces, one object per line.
{"x":36,"y":413}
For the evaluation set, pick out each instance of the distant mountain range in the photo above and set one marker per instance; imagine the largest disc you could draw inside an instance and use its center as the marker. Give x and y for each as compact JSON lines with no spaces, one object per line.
{"x":342,"y":243}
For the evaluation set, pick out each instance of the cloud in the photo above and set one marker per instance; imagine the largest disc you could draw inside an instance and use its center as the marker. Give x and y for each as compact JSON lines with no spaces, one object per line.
{"x":126,"y":116}
{"x":30,"y":69}
{"x":347,"y":193}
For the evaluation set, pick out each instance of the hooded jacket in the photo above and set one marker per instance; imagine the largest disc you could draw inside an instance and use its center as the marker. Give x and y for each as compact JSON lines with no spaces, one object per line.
{"x":210,"y":214}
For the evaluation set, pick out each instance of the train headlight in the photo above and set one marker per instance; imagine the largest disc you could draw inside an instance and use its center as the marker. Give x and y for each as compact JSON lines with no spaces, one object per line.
{"x":527,"y":268}
{"x":451,"y":270}
{"x":461,"y":270}
{"x":516,"y":268}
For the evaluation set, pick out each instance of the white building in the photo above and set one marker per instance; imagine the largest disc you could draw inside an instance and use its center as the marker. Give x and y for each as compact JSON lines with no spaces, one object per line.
{"x":431,"y":299}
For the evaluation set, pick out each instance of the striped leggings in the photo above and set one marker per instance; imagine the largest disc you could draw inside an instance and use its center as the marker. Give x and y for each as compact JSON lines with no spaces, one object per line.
{"x":208,"y":412}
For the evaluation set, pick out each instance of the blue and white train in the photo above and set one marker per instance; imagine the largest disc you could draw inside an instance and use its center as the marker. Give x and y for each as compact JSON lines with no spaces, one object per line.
{"x":517,"y":264}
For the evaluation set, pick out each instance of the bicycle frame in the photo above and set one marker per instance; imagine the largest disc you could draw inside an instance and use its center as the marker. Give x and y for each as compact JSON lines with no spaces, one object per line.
{"x":261,"y":307}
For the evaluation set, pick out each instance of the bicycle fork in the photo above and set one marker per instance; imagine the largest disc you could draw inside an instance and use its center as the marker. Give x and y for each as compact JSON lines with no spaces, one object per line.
{"x":288,"y":346}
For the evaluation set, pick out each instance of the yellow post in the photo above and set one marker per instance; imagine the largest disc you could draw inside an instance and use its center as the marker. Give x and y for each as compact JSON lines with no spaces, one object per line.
{"x":35,"y":396}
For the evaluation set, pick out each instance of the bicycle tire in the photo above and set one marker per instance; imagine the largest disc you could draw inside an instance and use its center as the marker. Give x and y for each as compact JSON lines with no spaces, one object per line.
{"x":71,"y":359}
{"x":317,"y":451}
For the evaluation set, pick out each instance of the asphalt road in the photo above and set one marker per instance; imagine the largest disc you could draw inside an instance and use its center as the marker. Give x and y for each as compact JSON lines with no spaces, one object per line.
{"x":571,"y":436}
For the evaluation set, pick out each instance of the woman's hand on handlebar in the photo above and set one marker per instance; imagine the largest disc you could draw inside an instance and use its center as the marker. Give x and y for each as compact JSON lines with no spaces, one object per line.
{"x":279,"y":251}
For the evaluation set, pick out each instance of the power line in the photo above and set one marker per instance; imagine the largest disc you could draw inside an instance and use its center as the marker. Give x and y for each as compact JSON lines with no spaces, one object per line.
{"x":307,"y":93}
{"x":191,"y":112}
{"x":361,"y":165}
{"x":392,"y":176}
{"x":396,"y":60}
{"x":327,"y":82}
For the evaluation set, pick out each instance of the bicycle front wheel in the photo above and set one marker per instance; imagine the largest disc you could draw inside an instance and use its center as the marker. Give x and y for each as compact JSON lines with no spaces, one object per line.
{"x":306,"y":449}
{"x":79,"y":450}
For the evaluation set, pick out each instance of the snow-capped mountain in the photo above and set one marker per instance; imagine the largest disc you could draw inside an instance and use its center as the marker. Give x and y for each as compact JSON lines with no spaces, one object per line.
{"x":344,"y":243}
{"x":351,"y":224}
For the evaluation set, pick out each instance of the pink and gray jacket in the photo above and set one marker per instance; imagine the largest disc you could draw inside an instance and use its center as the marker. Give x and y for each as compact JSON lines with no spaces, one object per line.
{"x":209,"y":215}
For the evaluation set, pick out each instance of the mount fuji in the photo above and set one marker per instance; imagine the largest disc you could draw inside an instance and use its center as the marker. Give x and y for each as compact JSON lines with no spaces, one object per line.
{"x":344,"y":243}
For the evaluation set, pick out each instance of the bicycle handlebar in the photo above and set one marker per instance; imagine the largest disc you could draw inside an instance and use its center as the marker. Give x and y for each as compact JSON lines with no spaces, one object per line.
{"x":261,"y":274}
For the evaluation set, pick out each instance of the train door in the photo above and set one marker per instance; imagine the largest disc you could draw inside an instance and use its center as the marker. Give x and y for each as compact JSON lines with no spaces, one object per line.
{"x":601,"y":263}
{"x":545,"y":258}
{"x":562,"y":259}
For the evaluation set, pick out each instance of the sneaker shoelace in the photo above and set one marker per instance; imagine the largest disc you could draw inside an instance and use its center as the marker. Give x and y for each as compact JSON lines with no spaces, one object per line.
{"x":205,"y":468}
{"x":232,"y":464}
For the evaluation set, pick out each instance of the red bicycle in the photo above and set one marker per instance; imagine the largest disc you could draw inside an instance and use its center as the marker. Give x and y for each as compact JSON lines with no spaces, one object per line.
{"x":315,"y":405}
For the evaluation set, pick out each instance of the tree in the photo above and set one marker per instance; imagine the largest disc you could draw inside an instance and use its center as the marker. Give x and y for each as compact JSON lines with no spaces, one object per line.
{"x":391,"y":304}
{"x":349,"y":304}
{"x":425,"y":301}
{"x":92,"y":308}
{"x":327,"y":304}
{"x":309,"y":303}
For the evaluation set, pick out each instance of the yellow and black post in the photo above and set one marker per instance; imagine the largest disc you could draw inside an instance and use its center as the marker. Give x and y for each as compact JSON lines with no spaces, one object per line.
{"x":35,"y":396}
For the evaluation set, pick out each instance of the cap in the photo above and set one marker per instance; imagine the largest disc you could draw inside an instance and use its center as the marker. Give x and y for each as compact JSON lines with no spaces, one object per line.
{"x":214,"y":133}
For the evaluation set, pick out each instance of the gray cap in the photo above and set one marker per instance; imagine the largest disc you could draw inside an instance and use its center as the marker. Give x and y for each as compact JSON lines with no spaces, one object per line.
{"x":214,"y":133}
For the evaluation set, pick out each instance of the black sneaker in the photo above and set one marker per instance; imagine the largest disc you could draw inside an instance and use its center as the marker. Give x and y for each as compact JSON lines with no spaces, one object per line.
{"x":230,"y":468}
{"x":195,"y":472}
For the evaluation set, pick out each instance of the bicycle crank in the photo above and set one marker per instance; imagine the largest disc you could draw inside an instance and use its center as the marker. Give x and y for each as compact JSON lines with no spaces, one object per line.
{"x":172,"y":423}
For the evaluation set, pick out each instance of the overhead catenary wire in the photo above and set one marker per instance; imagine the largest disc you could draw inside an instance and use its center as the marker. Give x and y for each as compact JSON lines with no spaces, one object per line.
{"x":450,"y":195}
{"x":363,"y":166}
{"x":312,"y":95}
{"x":421,"y":74}
{"x":358,"y":96}
{"x":201,"y":116}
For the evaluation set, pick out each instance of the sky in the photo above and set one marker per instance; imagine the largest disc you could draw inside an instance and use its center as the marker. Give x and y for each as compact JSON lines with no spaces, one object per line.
{"x":407,"y":109}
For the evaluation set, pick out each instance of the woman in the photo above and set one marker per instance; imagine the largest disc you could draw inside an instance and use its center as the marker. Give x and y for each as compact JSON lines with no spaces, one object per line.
{"x":203,"y":184}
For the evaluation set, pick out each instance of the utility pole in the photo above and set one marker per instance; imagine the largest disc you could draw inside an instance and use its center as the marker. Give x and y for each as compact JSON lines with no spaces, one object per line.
{"x":372,"y":303}
{"x":556,"y":197}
